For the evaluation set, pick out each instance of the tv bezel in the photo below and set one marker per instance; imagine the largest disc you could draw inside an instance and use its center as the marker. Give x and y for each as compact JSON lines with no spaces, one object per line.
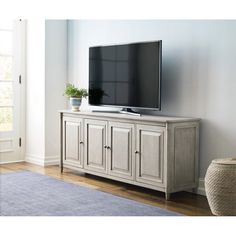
{"x":160,"y":78}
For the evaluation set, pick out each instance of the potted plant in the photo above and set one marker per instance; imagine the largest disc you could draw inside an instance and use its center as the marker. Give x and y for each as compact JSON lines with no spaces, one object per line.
{"x":75,"y":94}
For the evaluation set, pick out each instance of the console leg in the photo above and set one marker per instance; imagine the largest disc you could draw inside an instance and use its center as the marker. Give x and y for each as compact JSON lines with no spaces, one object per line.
{"x":167,"y":196}
{"x":61,"y":167}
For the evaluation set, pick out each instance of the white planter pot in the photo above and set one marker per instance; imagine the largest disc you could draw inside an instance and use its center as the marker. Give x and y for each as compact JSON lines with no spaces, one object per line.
{"x":75,"y":103}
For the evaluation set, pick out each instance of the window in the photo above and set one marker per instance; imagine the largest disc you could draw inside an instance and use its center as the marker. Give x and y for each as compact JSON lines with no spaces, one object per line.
{"x":6,"y":80}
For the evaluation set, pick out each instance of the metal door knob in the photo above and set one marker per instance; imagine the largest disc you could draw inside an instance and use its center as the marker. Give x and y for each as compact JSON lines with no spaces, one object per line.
{"x":105,"y":146}
{"x":136,"y":152}
{"x":81,"y":142}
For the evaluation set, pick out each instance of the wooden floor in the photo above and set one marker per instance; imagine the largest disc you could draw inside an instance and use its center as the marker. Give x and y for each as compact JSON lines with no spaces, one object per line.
{"x":182,"y":202}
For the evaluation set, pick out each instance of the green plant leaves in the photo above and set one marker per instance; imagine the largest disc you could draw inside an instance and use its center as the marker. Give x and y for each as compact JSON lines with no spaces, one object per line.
{"x":73,"y":92}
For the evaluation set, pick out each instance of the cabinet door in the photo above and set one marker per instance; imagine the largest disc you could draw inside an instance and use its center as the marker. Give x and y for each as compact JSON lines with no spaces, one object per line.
{"x":73,"y":141}
{"x":121,"y":150}
{"x":95,"y":143}
{"x":150,"y":154}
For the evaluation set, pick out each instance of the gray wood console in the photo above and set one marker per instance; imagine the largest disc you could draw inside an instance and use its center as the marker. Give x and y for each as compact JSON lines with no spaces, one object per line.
{"x":155,"y":152}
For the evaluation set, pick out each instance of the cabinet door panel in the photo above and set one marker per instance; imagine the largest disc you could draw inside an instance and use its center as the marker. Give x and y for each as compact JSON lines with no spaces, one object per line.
{"x":121,"y":153}
{"x":73,"y":134}
{"x":95,"y":140}
{"x":150,"y":144}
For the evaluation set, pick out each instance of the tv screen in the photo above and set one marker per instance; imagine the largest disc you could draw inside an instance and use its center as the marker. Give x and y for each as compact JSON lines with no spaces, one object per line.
{"x":126,"y":75}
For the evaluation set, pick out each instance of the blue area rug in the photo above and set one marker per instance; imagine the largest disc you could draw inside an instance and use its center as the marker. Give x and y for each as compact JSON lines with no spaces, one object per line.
{"x":26,"y":193}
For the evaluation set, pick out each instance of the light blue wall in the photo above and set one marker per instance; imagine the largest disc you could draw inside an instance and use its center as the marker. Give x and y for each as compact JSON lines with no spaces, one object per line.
{"x":55,"y":80}
{"x":199,"y":71}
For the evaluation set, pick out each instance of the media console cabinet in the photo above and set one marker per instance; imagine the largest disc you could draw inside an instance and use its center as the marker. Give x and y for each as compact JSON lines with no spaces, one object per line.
{"x":155,"y":152}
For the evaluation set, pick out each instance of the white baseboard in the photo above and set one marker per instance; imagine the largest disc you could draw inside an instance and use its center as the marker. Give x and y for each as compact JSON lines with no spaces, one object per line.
{"x":37,"y":160}
{"x":201,"y":187}
{"x":8,"y":162}
{"x":51,"y":160}
{"x":41,"y":160}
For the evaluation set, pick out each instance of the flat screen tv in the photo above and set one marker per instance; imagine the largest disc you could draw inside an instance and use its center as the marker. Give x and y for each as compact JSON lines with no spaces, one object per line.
{"x":127,"y":76}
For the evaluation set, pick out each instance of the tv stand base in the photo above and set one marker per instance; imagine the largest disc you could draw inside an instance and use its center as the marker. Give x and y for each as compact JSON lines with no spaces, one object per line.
{"x":106,"y":111}
{"x":127,"y":111}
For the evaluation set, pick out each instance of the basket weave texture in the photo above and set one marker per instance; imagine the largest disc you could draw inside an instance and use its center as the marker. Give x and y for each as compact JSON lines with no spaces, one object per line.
{"x":220,"y":185}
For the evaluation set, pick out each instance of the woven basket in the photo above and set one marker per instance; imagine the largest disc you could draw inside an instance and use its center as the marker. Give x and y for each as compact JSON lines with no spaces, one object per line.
{"x":220,"y":185}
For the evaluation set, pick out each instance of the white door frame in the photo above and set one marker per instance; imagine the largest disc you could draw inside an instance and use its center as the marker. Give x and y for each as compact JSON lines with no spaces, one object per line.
{"x":19,"y":79}
{"x":21,"y":31}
